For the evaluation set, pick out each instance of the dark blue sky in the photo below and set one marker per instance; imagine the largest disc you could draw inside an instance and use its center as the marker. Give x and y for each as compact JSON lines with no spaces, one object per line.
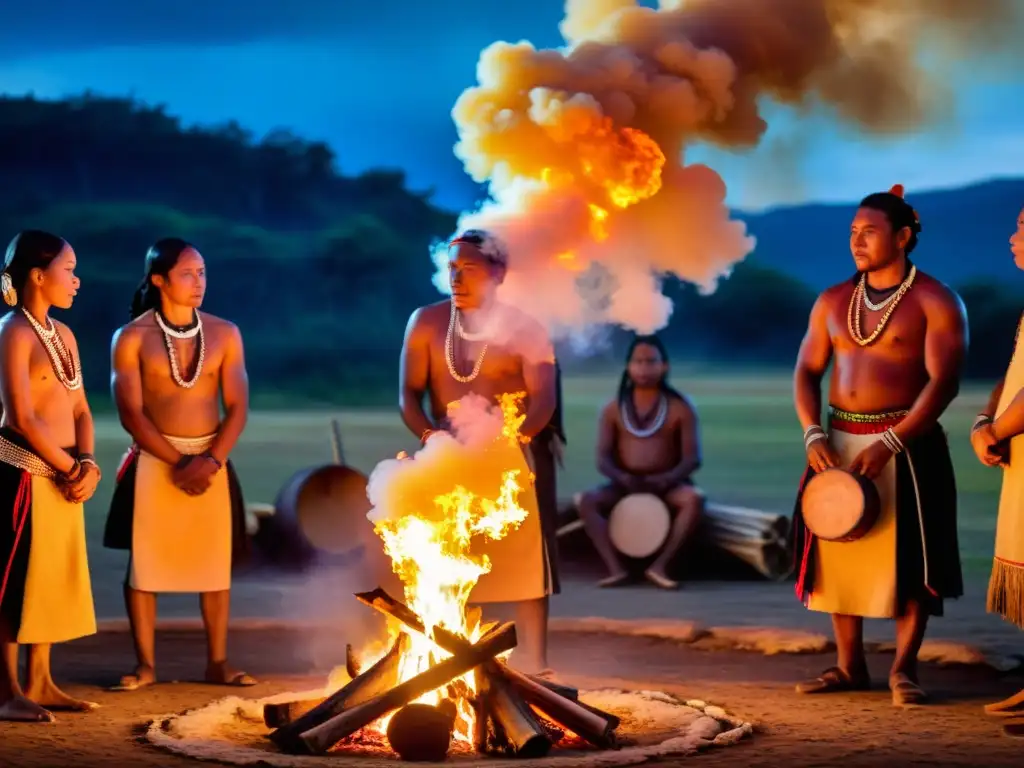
{"x":378,"y":81}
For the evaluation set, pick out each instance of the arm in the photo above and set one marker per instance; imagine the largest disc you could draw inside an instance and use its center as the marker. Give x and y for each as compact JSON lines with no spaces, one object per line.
{"x":126,"y":383}
{"x":689,"y":437}
{"x":993,"y":400}
{"x":414,"y":375}
{"x":541,"y":380}
{"x":16,"y":344}
{"x":811,"y":364}
{"x":1011,"y":421}
{"x":607,"y":462}
{"x":945,"y":347}
{"x":85,"y":433}
{"x":234,"y":388}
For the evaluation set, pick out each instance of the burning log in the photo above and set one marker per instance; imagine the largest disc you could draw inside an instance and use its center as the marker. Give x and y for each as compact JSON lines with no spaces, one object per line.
{"x":277,"y":715}
{"x":321,"y":738}
{"x":588,"y":722}
{"x":566,"y":691}
{"x":522,"y":735}
{"x":377,"y":679}
{"x":420,"y":732}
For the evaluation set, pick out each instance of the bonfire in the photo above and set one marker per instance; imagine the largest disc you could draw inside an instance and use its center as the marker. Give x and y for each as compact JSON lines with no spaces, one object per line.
{"x":443,"y":680}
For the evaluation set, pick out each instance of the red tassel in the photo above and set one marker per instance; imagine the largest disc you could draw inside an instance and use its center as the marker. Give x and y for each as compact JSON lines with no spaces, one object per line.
{"x":22,"y":508}
{"x":133,"y":453}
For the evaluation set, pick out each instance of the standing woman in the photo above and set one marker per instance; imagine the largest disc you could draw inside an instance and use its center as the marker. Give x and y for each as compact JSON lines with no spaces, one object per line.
{"x":47,"y":471}
{"x":998,"y":440}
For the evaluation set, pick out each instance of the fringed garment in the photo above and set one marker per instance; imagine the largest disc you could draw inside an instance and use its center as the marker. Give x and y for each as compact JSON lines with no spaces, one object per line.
{"x":178,"y":542}
{"x":45,"y":588}
{"x":912,"y":551}
{"x":1006,"y":584}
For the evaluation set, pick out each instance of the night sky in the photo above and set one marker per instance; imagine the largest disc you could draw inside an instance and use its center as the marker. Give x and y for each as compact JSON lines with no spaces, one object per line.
{"x":378,"y":80}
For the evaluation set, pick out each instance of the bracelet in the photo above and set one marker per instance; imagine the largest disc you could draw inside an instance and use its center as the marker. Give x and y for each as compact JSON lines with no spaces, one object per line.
{"x":210,"y":457}
{"x":426,"y":435}
{"x":813,"y":434}
{"x":72,"y":474}
{"x":892,"y":441}
{"x":981,"y":421}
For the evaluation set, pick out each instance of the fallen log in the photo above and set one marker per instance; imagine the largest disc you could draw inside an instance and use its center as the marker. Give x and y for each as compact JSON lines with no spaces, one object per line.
{"x":588,"y":722}
{"x":374,"y":681}
{"x":518,"y":731}
{"x":567,"y":691}
{"x":771,"y":521}
{"x":772,"y":560}
{"x":319,"y":739}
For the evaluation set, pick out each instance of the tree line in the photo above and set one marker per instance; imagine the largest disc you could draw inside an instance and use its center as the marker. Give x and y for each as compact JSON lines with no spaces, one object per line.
{"x":319,"y":269}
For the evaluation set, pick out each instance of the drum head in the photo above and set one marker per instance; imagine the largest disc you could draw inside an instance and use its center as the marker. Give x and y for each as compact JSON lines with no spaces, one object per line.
{"x":834,"y":503}
{"x":331,"y":509}
{"x":639,"y":525}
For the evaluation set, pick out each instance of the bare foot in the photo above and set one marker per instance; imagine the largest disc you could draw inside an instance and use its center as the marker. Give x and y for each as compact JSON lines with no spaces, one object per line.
{"x":615,"y":580}
{"x":22,"y":710}
{"x":142,"y":676}
{"x":220,"y":673}
{"x":659,"y":579}
{"x":50,"y":696}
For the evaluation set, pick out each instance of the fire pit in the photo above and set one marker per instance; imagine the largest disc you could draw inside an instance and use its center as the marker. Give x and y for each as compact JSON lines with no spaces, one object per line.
{"x":502,"y":712}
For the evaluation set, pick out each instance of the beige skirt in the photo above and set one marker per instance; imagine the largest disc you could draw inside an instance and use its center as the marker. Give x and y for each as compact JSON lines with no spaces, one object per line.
{"x":858,"y":578}
{"x":180,"y":543}
{"x":520,"y":567}
{"x":57,"y":604}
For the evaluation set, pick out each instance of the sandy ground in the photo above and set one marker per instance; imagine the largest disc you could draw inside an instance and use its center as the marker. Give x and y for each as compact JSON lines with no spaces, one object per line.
{"x":856,"y":730}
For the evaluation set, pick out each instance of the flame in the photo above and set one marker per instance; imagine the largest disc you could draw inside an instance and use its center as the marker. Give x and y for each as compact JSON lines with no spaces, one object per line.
{"x":432,"y":553}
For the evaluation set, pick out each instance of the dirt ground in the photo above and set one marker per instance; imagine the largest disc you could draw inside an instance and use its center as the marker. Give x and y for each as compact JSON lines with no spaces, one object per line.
{"x":850,"y":730}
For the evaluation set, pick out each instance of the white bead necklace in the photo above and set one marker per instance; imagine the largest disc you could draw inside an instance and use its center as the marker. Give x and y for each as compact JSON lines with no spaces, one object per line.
{"x":61,"y":359}
{"x":172,"y":355}
{"x":658,"y":423}
{"x":454,"y":324}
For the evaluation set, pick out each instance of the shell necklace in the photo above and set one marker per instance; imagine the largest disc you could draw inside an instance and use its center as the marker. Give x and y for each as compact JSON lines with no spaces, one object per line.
{"x":658,"y":423}
{"x":455,"y":326}
{"x":172,"y":355}
{"x":64,"y":364}
{"x":859,"y":297}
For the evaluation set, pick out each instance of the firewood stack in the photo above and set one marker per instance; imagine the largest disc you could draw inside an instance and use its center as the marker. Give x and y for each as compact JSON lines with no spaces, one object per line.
{"x":516,"y":714}
{"x":760,"y":539}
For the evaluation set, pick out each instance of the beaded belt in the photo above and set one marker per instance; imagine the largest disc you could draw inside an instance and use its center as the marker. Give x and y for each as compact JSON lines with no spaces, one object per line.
{"x":24,"y":460}
{"x":864,"y":423}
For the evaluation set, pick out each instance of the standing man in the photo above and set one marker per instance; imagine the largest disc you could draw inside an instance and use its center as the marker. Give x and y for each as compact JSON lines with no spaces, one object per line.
{"x":998,"y":439}
{"x":47,"y":471}
{"x":897,"y":338}
{"x":178,"y":506}
{"x":472,"y":344}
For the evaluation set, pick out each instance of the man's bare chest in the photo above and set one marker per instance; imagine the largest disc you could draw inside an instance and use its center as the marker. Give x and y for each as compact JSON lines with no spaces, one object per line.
{"x":182,"y":358}
{"x":900,"y":333}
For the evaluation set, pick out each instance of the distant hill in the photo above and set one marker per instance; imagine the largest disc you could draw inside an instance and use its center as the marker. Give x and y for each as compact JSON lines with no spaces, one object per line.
{"x":964,"y":237}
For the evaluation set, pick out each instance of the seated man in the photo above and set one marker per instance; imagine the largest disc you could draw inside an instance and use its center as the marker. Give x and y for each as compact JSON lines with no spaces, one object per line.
{"x":648,"y":442}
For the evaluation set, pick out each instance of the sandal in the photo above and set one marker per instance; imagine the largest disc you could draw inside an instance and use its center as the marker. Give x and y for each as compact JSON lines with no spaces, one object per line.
{"x":1014,"y":728}
{"x":834,"y":680}
{"x":1010,"y":707}
{"x":905,"y":692}
{"x":135,"y":680}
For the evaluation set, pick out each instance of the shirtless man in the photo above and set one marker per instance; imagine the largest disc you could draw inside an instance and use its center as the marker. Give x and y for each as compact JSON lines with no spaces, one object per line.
{"x":178,"y":507}
{"x":897,"y":338}
{"x":473,"y":344}
{"x":998,"y":441}
{"x":47,"y":471}
{"x":648,"y":442}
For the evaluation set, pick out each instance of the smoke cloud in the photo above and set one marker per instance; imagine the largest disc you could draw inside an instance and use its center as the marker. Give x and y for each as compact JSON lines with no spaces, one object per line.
{"x":583,"y":148}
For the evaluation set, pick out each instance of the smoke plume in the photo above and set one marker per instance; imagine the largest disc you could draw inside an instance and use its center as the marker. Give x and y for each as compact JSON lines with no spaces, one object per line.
{"x":584,"y":147}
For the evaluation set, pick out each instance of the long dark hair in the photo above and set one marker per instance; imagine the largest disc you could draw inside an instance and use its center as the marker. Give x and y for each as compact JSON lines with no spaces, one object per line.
{"x":626,"y":383}
{"x":30,"y":249}
{"x":161,"y":258}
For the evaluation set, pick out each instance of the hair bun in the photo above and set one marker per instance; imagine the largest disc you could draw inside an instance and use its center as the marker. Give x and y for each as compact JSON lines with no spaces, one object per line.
{"x":897,"y":189}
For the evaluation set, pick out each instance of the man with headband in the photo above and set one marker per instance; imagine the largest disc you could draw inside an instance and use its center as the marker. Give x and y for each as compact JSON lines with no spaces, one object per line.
{"x":897,"y":339}
{"x":474,"y":345}
{"x":178,"y":506}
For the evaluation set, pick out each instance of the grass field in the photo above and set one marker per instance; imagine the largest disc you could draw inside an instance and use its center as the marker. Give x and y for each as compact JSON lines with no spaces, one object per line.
{"x":752,"y":444}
